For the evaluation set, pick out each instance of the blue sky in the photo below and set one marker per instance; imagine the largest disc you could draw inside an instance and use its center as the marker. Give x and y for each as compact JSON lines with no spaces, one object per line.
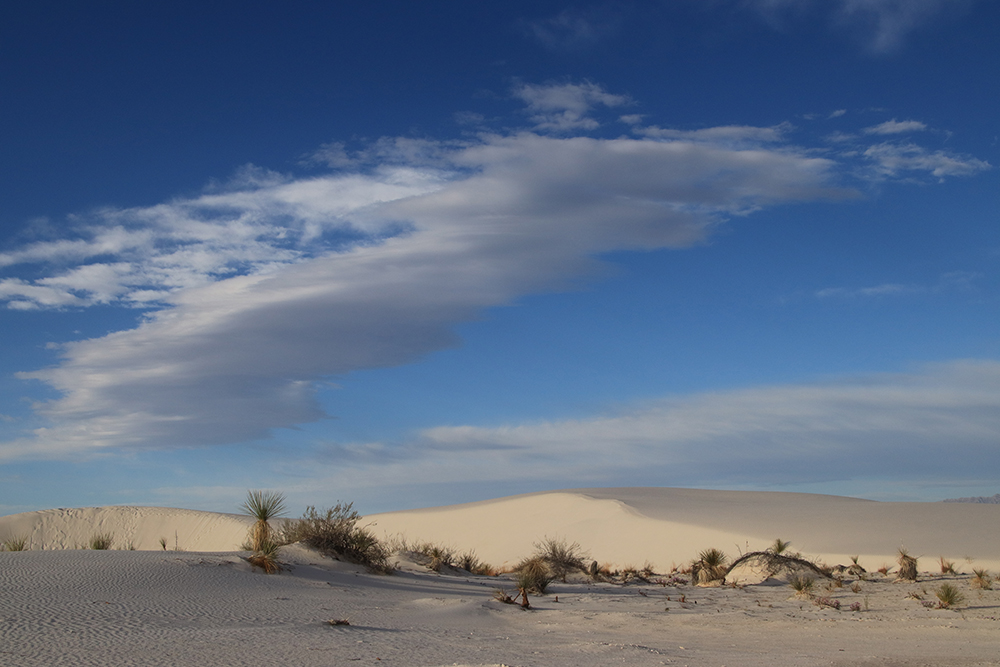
{"x":410,"y":255}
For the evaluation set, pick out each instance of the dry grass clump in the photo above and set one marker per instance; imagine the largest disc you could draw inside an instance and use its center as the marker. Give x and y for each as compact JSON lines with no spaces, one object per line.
{"x":947,"y":566}
{"x":560,"y":556}
{"x":533,"y":575}
{"x":949,"y":596}
{"x":907,"y":566}
{"x":803,"y":585}
{"x":16,"y":543}
{"x":266,"y":558}
{"x":102,"y":541}
{"x":709,"y":567}
{"x":981,"y":579}
{"x":335,"y":532}
{"x":470,"y":562}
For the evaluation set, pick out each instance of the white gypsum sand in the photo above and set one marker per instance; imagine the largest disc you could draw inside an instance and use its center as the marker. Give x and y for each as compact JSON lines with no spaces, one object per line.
{"x":81,"y":607}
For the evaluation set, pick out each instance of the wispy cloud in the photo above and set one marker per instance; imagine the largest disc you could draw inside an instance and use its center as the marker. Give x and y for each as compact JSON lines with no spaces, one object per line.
{"x":573,"y":29}
{"x":260,"y":289}
{"x":948,"y":282}
{"x":901,"y":160}
{"x":566,"y":107}
{"x":896,"y":127}
{"x":928,"y":423}
{"x":883,"y":25}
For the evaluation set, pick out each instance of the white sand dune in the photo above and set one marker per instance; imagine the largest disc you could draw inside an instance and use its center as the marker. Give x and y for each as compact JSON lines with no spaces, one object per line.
{"x":630,"y":526}
{"x":205,"y":605}
{"x":141,"y":528}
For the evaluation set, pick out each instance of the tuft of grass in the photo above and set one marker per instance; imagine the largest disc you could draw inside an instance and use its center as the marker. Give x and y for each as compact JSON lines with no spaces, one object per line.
{"x":780,"y":546}
{"x":560,"y":556}
{"x":884,"y":570}
{"x":266,"y":558}
{"x":533,"y":575}
{"x":949,"y":596}
{"x":263,"y":506}
{"x":17,"y":543}
{"x":102,"y":541}
{"x":856,"y":587}
{"x":947,"y":566}
{"x":163,"y":543}
{"x":981,"y":579}
{"x":803,"y":585}
{"x":470,"y":562}
{"x":335,"y":532}
{"x":710,"y":566}
{"x":907,"y":566}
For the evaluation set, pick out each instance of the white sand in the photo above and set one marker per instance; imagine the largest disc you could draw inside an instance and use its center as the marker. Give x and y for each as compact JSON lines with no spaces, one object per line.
{"x":79,"y":607}
{"x":631,"y":526}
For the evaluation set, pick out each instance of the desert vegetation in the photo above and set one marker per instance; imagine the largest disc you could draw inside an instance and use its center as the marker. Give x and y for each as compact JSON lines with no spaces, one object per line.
{"x":336,"y":533}
{"x":102,"y":541}
{"x":709,"y":567}
{"x":907,"y":566}
{"x":15,"y":543}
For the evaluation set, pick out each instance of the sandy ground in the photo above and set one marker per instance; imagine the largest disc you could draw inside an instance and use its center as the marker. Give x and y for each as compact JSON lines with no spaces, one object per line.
{"x":66,"y":606}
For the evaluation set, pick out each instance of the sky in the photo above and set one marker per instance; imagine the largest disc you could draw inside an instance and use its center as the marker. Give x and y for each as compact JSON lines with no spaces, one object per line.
{"x":413,"y":254}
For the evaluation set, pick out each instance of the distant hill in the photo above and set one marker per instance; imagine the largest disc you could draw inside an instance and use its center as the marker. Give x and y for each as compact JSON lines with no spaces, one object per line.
{"x":984,"y":500}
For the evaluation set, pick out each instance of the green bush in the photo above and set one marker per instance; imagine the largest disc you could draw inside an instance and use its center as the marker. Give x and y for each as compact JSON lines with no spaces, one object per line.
{"x":335,"y":532}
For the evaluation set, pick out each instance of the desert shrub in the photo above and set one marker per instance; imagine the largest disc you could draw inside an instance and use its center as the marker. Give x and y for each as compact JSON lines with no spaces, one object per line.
{"x":949,"y":596}
{"x":907,"y":566}
{"x":263,"y":506}
{"x":827,"y":602}
{"x":855,"y":606}
{"x":856,"y":587}
{"x":981,"y":579}
{"x":947,"y":566}
{"x":266,"y":558}
{"x":710,"y":566}
{"x":533,"y":575}
{"x":17,"y":543}
{"x":884,"y":570}
{"x":102,"y":541}
{"x":802,"y":584}
{"x":469,"y":562}
{"x":335,"y":532}
{"x":560,"y":556}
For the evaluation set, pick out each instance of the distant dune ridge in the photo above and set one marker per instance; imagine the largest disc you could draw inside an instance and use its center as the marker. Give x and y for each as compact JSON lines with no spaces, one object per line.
{"x":982,"y":500}
{"x":619,"y":526}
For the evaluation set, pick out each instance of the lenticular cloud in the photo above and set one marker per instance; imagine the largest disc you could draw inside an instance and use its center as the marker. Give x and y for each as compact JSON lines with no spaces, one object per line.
{"x":264,"y":289}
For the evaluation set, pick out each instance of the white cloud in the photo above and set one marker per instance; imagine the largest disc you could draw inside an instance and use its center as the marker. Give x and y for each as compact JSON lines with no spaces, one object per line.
{"x":896,"y":127}
{"x":892,"y":160}
{"x":837,"y":114}
{"x":927,"y":424}
{"x":261,"y":304}
{"x":883,"y":24}
{"x":730,"y":135}
{"x":565,"y":107}
{"x":573,"y":29}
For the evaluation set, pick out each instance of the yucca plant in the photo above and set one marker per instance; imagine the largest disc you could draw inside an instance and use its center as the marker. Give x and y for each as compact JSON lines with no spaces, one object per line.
{"x":710,"y":566}
{"x":981,"y":579}
{"x":949,"y":596}
{"x":533,"y":575}
{"x":779,"y":546}
{"x":263,"y":506}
